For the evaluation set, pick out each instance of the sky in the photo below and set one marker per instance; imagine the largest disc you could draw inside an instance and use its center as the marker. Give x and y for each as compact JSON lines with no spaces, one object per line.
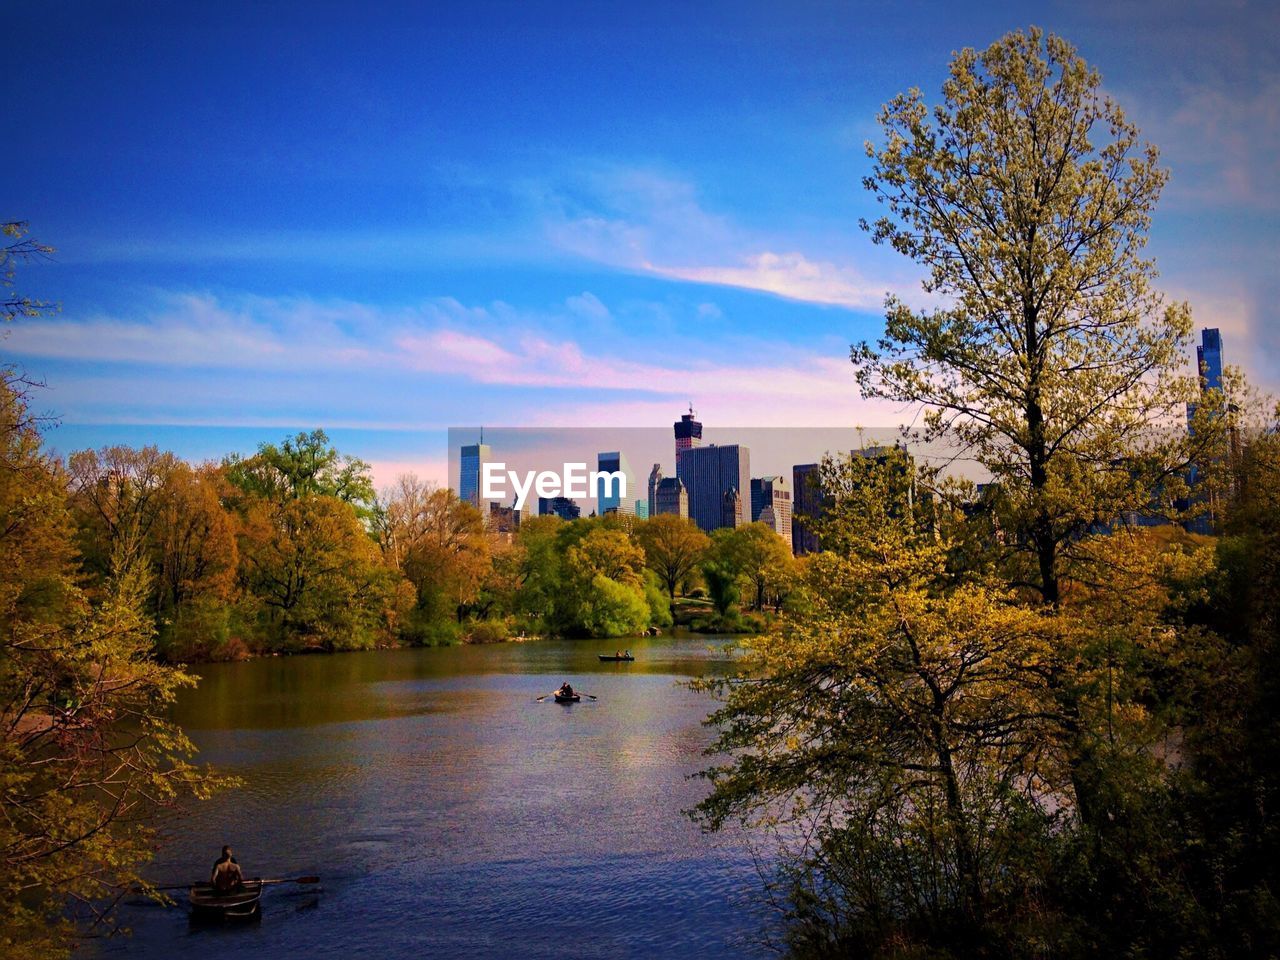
{"x":388,"y":219}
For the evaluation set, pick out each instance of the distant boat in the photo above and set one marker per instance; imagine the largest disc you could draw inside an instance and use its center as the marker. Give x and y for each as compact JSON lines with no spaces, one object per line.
{"x":608,"y":659}
{"x":210,"y":905}
{"x":570,"y":698}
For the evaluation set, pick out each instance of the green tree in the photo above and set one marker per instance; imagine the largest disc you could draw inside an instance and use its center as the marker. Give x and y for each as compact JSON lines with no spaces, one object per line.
{"x":758,"y":557}
{"x":673,"y":547}
{"x":1026,"y":195}
{"x":303,"y":465}
{"x":899,"y":718}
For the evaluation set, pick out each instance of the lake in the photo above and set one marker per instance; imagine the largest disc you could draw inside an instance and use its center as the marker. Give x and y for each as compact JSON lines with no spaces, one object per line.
{"x":445,"y":809}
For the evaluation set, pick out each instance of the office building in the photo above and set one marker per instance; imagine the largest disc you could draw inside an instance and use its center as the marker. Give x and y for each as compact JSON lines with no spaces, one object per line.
{"x":688,"y":435}
{"x":642,"y":509}
{"x":473,"y":458}
{"x":806,"y":503}
{"x":655,"y":478}
{"x":771,"y":504}
{"x":670,"y":496}
{"x":562,"y":507}
{"x":710,"y":474}
{"x":1209,"y":359}
{"x":614,"y":493}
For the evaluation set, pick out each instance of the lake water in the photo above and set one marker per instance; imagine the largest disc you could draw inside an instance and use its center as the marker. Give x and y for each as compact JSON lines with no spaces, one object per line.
{"x":445,"y":810}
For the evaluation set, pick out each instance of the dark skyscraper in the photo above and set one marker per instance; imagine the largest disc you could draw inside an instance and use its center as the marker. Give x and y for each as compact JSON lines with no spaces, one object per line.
{"x":688,"y":435}
{"x":806,"y":502}
{"x":710,"y":474}
{"x":562,"y":507}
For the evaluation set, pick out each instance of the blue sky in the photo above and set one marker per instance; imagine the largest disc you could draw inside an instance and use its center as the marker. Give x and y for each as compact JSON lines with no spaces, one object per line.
{"x":388,"y":219}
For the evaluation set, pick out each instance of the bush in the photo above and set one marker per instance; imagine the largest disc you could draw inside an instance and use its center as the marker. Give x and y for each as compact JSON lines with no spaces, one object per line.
{"x":487,"y":631}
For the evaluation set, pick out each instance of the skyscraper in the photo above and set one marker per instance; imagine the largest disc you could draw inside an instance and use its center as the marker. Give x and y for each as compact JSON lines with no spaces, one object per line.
{"x":711,"y":474}
{"x":1209,"y":358}
{"x":655,"y":478}
{"x":615,"y":493}
{"x":474,"y":457}
{"x":688,"y":435}
{"x":806,"y":504}
{"x":771,"y":504}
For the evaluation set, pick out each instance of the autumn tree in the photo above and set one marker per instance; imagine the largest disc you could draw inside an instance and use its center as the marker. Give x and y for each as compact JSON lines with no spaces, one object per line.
{"x":1026,"y":195}
{"x":86,"y":751}
{"x":195,"y":561}
{"x":118,"y":494}
{"x":439,"y":542}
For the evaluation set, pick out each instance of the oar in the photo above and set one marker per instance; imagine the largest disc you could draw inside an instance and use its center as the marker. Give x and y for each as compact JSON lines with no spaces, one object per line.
{"x":196,"y":883}
{"x":307,"y":879}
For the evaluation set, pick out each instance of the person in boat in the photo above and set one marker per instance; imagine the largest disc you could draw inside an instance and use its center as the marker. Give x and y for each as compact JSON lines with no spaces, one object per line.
{"x":566,"y":690}
{"x":627,"y":654}
{"x":226,"y":872}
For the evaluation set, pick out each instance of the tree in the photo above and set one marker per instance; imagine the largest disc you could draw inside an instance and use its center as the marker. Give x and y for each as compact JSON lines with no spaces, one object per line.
{"x":195,"y":559}
{"x":900,"y":718}
{"x":439,"y":542}
{"x":673,"y":547}
{"x":118,"y":494}
{"x":603,"y":589}
{"x":303,"y":465}
{"x":1026,"y":195}
{"x":318,"y":574}
{"x":18,"y":247}
{"x":757,"y":556}
{"x":86,"y":751}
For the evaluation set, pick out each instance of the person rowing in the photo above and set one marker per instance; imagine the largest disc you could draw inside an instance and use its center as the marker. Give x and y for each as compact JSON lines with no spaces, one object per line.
{"x":226,"y":872}
{"x":566,"y":690}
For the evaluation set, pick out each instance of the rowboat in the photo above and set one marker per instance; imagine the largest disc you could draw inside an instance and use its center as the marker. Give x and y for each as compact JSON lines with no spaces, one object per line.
{"x":210,"y":905}
{"x":571,"y":698}
{"x":608,"y":659}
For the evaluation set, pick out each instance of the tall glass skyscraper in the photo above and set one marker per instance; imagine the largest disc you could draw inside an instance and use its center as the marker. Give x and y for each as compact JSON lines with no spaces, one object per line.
{"x":609,"y":493}
{"x":713,"y":476}
{"x":474,"y":457}
{"x":1209,"y":358}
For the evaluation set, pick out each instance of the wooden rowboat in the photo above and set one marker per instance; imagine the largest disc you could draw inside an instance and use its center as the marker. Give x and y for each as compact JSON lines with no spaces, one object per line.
{"x":608,"y":659}
{"x":571,"y":698}
{"x":210,"y":905}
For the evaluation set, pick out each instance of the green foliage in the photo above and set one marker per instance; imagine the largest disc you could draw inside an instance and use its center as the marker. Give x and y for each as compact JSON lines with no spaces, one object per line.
{"x":305,"y":465}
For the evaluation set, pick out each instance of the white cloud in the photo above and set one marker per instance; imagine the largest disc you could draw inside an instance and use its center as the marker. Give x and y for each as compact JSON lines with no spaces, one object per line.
{"x":790,"y":275}
{"x":257,"y":354}
{"x":644,"y":221}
